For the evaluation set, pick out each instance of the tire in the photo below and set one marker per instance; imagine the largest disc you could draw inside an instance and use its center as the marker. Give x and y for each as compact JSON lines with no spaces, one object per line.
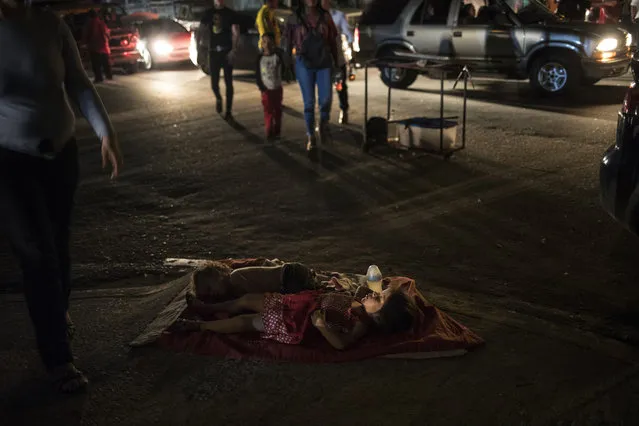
{"x":396,"y":78}
{"x":147,"y":60}
{"x":554,"y":74}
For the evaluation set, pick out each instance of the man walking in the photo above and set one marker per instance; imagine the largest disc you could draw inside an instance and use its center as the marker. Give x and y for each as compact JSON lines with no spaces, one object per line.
{"x":220,"y":30}
{"x":343,"y":29}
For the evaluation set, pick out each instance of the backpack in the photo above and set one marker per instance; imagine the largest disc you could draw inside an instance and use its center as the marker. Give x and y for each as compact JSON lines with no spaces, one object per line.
{"x":315,"y":52}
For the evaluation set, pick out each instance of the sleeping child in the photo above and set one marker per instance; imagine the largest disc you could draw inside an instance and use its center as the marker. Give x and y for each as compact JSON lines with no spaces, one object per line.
{"x":285,"y":318}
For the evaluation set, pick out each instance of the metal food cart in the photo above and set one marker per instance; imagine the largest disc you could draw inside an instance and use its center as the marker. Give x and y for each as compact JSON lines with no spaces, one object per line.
{"x":376,"y":128}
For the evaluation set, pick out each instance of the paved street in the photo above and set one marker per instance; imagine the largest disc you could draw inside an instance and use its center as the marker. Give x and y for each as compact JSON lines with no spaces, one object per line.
{"x":508,"y":236}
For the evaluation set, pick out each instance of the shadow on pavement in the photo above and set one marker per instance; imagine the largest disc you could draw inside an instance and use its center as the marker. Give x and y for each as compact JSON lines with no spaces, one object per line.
{"x":515,"y":93}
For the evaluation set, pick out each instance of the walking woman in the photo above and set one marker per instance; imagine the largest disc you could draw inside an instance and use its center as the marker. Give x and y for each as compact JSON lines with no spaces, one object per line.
{"x":40,"y":71}
{"x":312,"y":38}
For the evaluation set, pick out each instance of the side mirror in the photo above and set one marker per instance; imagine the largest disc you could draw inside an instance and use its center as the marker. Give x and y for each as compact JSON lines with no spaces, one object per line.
{"x":634,"y":66}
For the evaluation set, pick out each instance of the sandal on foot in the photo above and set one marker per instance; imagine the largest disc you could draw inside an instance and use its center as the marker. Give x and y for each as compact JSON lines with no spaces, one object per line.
{"x":68,"y":379}
{"x":311,"y":150}
{"x":70,"y":328}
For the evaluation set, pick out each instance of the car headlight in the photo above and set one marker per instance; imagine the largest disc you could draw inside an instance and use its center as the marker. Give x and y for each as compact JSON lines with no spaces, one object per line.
{"x":162,"y":47}
{"x":607,"y":44}
{"x":628,"y":40}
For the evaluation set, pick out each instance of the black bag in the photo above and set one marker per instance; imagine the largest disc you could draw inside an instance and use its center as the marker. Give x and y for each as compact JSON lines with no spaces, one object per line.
{"x":315,"y":52}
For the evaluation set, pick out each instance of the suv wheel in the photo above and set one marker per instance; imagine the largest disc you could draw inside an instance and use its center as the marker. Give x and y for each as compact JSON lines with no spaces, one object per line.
{"x":553,"y":74}
{"x":397,"y":78}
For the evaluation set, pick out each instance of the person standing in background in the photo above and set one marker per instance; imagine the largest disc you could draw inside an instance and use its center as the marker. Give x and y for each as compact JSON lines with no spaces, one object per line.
{"x":266,"y":23}
{"x":39,"y":169}
{"x":269,"y":75}
{"x":222,"y":26}
{"x":96,"y":37}
{"x":341,"y":23}
{"x":312,"y":36}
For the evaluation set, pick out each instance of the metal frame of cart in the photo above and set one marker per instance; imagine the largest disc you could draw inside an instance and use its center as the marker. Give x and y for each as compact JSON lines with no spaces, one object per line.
{"x":416,"y":64}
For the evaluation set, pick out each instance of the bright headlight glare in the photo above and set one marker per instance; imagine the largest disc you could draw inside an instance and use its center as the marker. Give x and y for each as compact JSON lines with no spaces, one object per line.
{"x":162,"y":47}
{"x":607,"y":44}
{"x":628,"y":40}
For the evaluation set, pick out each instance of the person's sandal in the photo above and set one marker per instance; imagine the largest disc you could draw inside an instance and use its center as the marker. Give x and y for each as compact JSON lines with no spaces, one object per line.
{"x":70,"y":328}
{"x":311,"y":149}
{"x":68,"y":379}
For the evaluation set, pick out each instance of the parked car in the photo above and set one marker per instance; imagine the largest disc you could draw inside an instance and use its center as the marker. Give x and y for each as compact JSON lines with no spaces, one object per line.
{"x":507,"y":37}
{"x":619,"y":169}
{"x":162,"y":41}
{"x":123,"y":38}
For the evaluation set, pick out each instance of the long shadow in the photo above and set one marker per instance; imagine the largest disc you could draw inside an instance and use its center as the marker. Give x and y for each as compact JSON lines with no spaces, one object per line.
{"x":521,"y":95}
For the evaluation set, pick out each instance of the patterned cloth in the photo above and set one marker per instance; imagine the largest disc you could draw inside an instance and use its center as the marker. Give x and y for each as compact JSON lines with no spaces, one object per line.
{"x":296,"y":32}
{"x":286,"y":318}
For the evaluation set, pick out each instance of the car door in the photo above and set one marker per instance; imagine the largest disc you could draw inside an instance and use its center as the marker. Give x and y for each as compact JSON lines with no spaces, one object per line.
{"x":488,"y":36}
{"x":428,"y":28}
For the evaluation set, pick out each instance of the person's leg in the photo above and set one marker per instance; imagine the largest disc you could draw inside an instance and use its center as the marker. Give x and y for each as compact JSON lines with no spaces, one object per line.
{"x":106,"y":63}
{"x":306,"y":80}
{"x":343,"y":98}
{"x":60,"y":194}
{"x":256,"y":279}
{"x":228,"y":81}
{"x":325,"y":95}
{"x":277,"y":112}
{"x":26,"y":219}
{"x":214,"y":67}
{"x":96,"y":66}
{"x":268,"y":116}
{"x":248,"y":302}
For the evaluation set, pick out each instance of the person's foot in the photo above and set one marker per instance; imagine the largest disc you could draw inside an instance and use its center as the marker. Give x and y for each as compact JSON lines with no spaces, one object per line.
{"x":228,"y":116}
{"x":70,"y":327}
{"x":311,"y":149}
{"x":325,"y":133}
{"x":183,"y":325}
{"x":343,"y":117}
{"x":218,"y":105}
{"x":68,"y":379}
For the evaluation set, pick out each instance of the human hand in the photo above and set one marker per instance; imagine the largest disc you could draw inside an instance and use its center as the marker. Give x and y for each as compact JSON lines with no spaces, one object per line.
{"x":230,"y":57}
{"x":111,"y":154}
{"x":318,"y":318}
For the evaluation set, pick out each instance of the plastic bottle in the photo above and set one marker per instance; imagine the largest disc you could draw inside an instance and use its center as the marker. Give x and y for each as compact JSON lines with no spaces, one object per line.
{"x":374,"y":278}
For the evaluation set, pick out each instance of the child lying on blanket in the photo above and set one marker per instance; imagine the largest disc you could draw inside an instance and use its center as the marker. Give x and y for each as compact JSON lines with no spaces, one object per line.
{"x":285,"y":318}
{"x":217,"y":280}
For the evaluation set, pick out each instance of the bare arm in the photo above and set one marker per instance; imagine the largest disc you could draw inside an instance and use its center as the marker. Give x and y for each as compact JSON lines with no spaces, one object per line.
{"x":236,"y":36}
{"x":339,"y":341}
{"x":80,"y":89}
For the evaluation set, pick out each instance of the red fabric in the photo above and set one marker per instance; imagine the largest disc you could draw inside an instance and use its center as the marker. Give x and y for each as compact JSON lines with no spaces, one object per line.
{"x":433,"y":331}
{"x":272,"y":102}
{"x":96,"y":36}
{"x":286,"y":317}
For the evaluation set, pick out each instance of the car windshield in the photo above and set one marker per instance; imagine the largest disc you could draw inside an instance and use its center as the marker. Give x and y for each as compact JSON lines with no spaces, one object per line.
{"x":531,"y":11}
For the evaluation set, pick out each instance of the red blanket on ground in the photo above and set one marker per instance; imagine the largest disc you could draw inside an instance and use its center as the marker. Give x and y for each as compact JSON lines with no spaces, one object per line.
{"x":434,"y":331}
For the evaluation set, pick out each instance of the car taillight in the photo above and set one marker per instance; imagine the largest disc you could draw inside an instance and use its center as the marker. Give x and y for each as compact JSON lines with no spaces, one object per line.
{"x":124,"y":42}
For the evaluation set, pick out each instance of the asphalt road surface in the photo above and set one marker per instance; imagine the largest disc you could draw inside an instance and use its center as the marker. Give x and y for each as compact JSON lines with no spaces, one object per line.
{"x":508,"y":236}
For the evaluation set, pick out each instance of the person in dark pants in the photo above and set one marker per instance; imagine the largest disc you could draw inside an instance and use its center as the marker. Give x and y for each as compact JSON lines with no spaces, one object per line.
{"x":341,"y":23}
{"x":39,"y":169}
{"x":220,"y":31}
{"x":96,"y":36}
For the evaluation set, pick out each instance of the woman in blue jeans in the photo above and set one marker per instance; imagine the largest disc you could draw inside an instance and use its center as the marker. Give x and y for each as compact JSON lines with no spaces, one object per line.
{"x":312,"y":38}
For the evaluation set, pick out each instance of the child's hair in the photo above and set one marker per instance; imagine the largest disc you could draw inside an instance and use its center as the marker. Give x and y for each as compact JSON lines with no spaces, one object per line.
{"x":269,"y":35}
{"x":397,"y":314}
{"x":212,"y":273}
